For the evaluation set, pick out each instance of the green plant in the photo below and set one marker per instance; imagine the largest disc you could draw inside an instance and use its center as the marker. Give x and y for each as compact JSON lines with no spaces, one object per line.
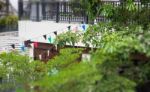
{"x":114,"y":58}
{"x":13,"y":68}
{"x":121,"y":60}
{"x":92,"y":36}
{"x":127,"y":12}
{"x":91,"y":7}
{"x":9,"y":21}
{"x":2,"y":21}
{"x":130,"y":5}
{"x":62,"y":60}
{"x":145,"y":1}
{"x":20,"y":71}
{"x":67,"y":38}
{"x":70,"y":75}
{"x":107,"y":10}
{"x":142,"y":17}
{"x":115,"y":83}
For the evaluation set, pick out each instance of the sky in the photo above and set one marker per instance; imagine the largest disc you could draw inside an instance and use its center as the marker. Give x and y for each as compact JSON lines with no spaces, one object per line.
{"x":14,"y":3}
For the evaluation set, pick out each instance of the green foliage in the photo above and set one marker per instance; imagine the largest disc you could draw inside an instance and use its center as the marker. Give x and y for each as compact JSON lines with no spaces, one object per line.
{"x":2,"y":21}
{"x":20,"y":70}
{"x":111,"y":42}
{"x":115,"y":48}
{"x":92,"y":36}
{"x":16,"y":64}
{"x":65,"y":58}
{"x":9,"y":21}
{"x":107,"y":10}
{"x":77,"y":77}
{"x":91,"y":7}
{"x":116,"y":45}
{"x":131,"y":6}
{"x":128,"y":12}
{"x":113,"y":59}
{"x":115,"y":83}
{"x":70,"y":73}
{"x":145,"y":1}
{"x":142,"y":17}
{"x":116,"y":65}
{"x":67,"y":38}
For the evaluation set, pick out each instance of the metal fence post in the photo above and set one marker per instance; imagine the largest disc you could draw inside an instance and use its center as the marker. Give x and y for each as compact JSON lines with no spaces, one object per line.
{"x":43,"y":9}
{"x":20,"y":8}
{"x":86,"y":19}
{"x":37,"y":11}
{"x":57,"y":12}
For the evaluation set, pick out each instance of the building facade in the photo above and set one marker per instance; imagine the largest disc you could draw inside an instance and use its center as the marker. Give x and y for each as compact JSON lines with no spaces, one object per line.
{"x":6,"y":8}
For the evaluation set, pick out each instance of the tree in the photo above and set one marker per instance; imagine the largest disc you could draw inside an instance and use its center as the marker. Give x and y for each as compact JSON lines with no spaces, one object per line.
{"x":91,"y":8}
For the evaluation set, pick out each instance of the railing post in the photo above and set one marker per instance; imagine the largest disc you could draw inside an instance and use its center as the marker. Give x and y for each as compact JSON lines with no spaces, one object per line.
{"x":57,"y":12}
{"x":65,"y":7}
{"x":69,"y":12}
{"x":20,"y":8}
{"x":37,"y":11}
{"x":43,"y":9}
{"x":86,"y":19}
{"x":138,"y":12}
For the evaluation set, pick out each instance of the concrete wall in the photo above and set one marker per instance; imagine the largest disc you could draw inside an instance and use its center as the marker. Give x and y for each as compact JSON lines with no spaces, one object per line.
{"x":30,"y":30}
{"x":11,"y":33}
{"x":7,"y":41}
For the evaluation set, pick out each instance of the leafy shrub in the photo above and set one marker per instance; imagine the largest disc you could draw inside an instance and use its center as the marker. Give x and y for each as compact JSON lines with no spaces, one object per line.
{"x":113,"y":58}
{"x":142,"y":17}
{"x":67,"y":38}
{"x":21,"y":72}
{"x":9,"y":21}
{"x":115,"y":83}
{"x":69,"y":74}
{"x":120,"y":63}
{"x":65,"y":58}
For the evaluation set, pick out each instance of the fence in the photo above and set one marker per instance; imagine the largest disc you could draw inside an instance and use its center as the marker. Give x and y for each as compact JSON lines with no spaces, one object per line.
{"x":64,"y":11}
{"x":8,"y":28}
